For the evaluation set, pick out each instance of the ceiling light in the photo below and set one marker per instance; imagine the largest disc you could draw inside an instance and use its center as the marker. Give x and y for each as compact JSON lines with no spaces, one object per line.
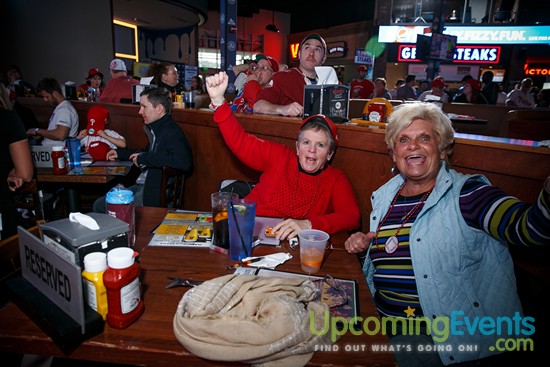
{"x":272,"y":27}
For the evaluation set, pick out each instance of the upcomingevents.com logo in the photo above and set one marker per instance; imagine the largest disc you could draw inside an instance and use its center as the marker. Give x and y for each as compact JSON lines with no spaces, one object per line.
{"x":515,"y":330}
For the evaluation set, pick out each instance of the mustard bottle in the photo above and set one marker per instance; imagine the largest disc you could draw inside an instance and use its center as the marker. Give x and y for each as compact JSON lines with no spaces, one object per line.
{"x":95,"y":264}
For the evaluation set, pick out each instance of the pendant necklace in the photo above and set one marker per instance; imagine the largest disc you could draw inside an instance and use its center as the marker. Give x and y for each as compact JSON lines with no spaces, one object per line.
{"x":392,"y":243}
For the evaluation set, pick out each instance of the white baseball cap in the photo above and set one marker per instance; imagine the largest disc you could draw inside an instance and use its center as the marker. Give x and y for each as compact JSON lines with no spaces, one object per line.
{"x":118,"y":64}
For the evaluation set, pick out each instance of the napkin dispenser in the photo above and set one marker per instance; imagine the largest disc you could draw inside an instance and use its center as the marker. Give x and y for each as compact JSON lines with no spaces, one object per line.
{"x":73,"y":241}
{"x":329,"y":100}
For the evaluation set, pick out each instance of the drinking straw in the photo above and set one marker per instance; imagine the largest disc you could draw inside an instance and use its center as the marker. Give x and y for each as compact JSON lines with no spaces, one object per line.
{"x":238,"y":228}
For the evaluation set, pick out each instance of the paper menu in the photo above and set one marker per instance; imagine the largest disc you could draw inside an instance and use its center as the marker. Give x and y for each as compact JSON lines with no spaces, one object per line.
{"x":184,"y":229}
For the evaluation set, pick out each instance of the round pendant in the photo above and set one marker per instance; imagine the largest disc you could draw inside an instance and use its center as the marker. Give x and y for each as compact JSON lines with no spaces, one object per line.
{"x":391,"y":245}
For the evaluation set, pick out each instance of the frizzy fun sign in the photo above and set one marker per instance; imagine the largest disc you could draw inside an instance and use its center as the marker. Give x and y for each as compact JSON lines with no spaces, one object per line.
{"x":463,"y":54}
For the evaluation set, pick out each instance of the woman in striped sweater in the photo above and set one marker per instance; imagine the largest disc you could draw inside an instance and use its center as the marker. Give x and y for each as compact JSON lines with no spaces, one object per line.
{"x":437,"y":251}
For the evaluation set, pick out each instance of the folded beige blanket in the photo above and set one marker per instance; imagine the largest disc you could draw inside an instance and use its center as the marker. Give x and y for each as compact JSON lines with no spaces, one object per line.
{"x":257,"y":320}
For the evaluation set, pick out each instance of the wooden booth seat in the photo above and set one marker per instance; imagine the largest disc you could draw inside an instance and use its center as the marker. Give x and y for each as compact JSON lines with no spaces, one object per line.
{"x":530,"y":124}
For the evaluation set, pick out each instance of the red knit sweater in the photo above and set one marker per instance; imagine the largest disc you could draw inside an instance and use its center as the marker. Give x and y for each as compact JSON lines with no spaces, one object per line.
{"x":326,"y":199}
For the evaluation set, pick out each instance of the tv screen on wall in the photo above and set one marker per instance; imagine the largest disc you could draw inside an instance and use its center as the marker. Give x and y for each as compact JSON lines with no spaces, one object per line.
{"x":443,"y":47}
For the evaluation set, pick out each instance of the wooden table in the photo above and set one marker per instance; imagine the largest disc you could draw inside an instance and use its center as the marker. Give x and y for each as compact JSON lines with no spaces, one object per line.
{"x":73,"y":182}
{"x":151,"y":341}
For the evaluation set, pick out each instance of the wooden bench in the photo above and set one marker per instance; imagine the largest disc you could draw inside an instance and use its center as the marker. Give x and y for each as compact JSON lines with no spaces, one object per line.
{"x":531,"y":124}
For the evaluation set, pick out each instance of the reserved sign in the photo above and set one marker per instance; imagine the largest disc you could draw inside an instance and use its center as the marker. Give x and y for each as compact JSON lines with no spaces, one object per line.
{"x":41,"y":155}
{"x":54,"y":277}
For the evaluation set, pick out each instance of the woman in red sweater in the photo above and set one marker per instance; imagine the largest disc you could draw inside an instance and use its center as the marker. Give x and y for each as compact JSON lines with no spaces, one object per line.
{"x":305,"y":189}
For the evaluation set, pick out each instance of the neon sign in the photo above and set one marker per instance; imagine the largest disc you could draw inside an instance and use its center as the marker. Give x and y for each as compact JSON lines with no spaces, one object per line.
{"x":463,"y":54}
{"x":472,"y":35}
{"x":294,"y":47}
{"x":537,"y":71}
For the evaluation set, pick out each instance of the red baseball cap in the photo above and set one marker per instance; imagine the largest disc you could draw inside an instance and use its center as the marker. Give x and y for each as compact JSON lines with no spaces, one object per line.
{"x":271,"y":60}
{"x":94,"y":71}
{"x":98,"y":150}
{"x":439,"y":82}
{"x":97,"y":118}
{"x":362,"y":68}
{"x":325,"y":121}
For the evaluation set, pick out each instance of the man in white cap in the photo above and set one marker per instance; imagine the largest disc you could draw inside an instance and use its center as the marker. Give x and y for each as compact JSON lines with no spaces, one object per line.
{"x":120,"y":86}
{"x":286,"y":95}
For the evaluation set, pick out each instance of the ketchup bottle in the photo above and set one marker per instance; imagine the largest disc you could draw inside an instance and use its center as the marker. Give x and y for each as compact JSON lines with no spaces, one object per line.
{"x":58,"y":160}
{"x":121,"y":279}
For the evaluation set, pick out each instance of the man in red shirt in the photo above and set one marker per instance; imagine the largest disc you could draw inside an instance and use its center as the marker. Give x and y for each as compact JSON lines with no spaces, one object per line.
{"x":286,"y":95}
{"x":120,"y":86}
{"x":361,"y":87}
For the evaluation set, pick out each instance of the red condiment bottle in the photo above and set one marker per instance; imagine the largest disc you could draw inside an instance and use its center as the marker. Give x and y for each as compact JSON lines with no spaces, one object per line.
{"x":58,"y":160}
{"x":121,"y":279}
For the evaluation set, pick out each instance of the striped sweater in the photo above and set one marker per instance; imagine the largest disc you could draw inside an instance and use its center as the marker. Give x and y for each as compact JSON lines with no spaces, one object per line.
{"x":484,"y":207}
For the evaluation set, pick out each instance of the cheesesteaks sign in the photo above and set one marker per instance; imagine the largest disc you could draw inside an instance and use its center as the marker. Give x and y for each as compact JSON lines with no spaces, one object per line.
{"x":463,"y":54}
{"x":54,"y":277}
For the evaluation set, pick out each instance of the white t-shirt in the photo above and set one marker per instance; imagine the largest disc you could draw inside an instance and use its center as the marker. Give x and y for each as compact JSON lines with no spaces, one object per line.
{"x":443,"y":98}
{"x":521,"y":99}
{"x":88,"y":139}
{"x":64,"y":115}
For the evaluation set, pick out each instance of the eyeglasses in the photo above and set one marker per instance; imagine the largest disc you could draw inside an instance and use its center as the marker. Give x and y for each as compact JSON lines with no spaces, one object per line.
{"x":331,"y":292}
{"x":261,"y":68}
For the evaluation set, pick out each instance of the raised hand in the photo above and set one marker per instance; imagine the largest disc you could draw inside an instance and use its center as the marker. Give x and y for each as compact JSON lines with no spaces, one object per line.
{"x":216,"y":86}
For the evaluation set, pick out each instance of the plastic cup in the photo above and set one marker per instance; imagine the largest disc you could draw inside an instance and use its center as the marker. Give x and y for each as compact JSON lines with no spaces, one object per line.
{"x":189,"y":99}
{"x":312,"y":249}
{"x":220,"y":237}
{"x":242,"y":214}
{"x":73,"y":145}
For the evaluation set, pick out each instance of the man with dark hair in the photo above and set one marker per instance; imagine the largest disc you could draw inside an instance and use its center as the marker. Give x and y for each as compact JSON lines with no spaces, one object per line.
{"x":361,"y":87}
{"x":168,"y":146}
{"x":64,"y":119}
{"x":286,"y":95}
{"x":407,"y":92}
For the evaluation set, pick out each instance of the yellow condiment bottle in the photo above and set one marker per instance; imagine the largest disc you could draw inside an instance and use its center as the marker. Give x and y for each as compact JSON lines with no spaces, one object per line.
{"x":95,"y":264}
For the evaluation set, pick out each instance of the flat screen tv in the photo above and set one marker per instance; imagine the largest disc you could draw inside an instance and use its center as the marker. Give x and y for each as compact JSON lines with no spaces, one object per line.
{"x":443,"y":47}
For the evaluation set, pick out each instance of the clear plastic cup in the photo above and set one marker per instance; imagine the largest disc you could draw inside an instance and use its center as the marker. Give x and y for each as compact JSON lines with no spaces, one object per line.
{"x":312,"y":249}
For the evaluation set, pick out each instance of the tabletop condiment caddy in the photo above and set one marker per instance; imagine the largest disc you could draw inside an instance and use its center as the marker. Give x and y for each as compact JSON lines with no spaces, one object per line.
{"x":112,"y":286}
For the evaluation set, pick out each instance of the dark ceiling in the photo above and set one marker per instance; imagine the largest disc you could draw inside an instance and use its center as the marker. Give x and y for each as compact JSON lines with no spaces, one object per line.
{"x":308,"y":15}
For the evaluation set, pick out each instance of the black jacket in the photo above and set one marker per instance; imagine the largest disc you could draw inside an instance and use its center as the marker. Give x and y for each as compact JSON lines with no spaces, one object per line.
{"x":170,"y":148}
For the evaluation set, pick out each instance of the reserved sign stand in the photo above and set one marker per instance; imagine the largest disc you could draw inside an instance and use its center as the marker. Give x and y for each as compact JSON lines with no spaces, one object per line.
{"x":50,"y":293}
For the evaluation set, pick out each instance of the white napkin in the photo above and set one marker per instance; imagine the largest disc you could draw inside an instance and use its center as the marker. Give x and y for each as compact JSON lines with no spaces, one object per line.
{"x":270,"y":261}
{"x":85,"y":220}
{"x":146,"y":80}
{"x":327,"y":75}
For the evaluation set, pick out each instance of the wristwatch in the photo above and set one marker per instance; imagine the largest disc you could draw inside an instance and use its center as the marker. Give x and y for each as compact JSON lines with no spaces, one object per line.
{"x":36,"y":131}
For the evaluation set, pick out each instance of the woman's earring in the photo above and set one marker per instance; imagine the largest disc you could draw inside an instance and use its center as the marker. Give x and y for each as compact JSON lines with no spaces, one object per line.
{"x":393,"y":170}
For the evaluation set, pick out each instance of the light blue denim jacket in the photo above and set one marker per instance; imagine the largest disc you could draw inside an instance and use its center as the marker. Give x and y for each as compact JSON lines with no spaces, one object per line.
{"x":457,"y":268}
